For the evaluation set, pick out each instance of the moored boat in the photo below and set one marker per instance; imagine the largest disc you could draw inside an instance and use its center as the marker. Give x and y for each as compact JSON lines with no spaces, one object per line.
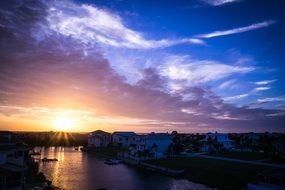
{"x":84,"y":149}
{"x":49,"y":160}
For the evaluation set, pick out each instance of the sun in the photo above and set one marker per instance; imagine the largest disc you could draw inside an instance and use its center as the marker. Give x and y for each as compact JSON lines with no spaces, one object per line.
{"x":64,"y":123}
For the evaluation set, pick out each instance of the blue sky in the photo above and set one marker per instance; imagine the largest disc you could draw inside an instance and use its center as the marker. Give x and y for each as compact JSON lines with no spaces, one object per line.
{"x":191,"y":66}
{"x":261,"y":49}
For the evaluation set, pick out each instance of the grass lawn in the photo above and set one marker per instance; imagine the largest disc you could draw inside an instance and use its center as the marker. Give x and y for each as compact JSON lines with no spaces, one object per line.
{"x":240,"y":155}
{"x":109,"y":151}
{"x":215,"y":173}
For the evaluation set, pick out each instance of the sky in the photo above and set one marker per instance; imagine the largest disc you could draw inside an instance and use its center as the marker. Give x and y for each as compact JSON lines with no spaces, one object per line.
{"x":189,"y":66}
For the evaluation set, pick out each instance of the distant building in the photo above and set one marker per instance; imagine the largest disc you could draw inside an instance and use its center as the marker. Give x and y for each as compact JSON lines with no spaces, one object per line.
{"x":99,"y":139}
{"x":12,"y":158}
{"x":249,"y":141}
{"x":214,"y":141}
{"x":153,"y":145}
{"x":124,"y":139}
{"x":279,"y":145}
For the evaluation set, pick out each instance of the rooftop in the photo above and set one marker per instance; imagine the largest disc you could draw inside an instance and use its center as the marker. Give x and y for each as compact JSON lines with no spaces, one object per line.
{"x":124,"y":133}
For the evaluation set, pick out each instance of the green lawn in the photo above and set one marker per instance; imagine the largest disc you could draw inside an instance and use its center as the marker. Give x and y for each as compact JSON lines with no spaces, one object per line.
{"x":215,"y":173}
{"x":240,"y":155}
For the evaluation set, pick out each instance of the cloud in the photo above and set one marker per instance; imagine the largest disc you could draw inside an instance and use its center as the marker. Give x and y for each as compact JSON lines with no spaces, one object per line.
{"x":272,"y":99}
{"x":193,"y":72}
{"x":237,"y":30}
{"x":58,"y":72}
{"x":262,"y":88}
{"x":237,"y":97}
{"x":90,"y":24}
{"x":265,"y":82}
{"x":219,"y":2}
{"x":229,"y":84}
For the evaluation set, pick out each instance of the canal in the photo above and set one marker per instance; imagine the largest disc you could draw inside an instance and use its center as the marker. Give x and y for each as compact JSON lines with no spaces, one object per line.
{"x":76,"y":170}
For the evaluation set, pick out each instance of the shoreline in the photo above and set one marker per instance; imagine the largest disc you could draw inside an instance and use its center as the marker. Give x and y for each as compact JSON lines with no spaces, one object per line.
{"x":232,"y":176}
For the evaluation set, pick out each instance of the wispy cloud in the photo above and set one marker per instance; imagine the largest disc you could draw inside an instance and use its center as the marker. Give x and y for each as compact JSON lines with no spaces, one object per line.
{"x":237,"y":97}
{"x":265,"y":82}
{"x":92,"y":25}
{"x":237,"y":30}
{"x":227,"y":84}
{"x":192,"y":71}
{"x":262,"y":88}
{"x":272,"y":99}
{"x":219,"y":2}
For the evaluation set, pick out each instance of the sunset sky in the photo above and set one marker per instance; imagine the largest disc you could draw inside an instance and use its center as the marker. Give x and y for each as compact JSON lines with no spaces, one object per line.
{"x":190,"y":66}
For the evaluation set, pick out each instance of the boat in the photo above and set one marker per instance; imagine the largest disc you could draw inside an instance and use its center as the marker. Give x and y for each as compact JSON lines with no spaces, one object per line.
{"x":84,"y":149}
{"x":112,"y":161}
{"x":35,"y":154}
{"x":49,"y":160}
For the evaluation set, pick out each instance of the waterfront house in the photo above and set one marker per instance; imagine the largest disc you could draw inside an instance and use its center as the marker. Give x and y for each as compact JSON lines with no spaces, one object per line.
{"x":149,"y":146}
{"x":249,"y":141}
{"x":12,"y":159}
{"x":99,"y":139}
{"x":124,"y":139}
{"x":216,"y":141}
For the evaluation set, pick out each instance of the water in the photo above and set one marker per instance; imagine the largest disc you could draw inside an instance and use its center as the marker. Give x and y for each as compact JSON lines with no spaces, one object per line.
{"x":81,"y":171}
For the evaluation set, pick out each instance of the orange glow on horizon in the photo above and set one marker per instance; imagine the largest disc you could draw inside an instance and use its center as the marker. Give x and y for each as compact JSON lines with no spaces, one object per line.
{"x":64,"y":123}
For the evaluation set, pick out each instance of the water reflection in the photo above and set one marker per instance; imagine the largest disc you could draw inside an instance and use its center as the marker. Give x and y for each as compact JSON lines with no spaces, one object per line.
{"x":76,"y":170}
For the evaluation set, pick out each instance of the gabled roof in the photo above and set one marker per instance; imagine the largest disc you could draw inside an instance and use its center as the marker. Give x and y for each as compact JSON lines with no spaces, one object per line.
{"x":99,"y":132}
{"x":124,"y":133}
{"x":221,"y":137}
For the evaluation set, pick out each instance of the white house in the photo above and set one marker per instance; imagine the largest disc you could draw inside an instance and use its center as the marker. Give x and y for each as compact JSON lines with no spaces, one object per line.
{"x":153,"y":145}
{"x":219,"y":138}
{"x":12,"y":158}
{"x":124,"y":139}
{"x":99,"y":139}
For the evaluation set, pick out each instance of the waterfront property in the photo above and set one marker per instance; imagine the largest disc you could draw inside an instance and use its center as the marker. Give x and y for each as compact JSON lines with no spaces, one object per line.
{"x":216,"y":141}
{"x":12,"y":158}
{"x":99,"y":139}
{"x":124,"y":139}
{"x":141,"y":147}
{"x":216,"y":173}
{"x":150,"y":146}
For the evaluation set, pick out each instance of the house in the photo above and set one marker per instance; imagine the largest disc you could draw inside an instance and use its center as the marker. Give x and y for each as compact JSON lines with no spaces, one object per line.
{"x":99,"y":139}
{"x":149,"y":146}
{"x":279,"y":146}
{"x":124,"y":139}
{"x":216,"y":141}
{"x":12,"y":161}
{"x":249,"y":141}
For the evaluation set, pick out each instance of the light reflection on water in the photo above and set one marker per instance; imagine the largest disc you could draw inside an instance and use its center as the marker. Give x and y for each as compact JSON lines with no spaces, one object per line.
{"x":81,"y":171}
